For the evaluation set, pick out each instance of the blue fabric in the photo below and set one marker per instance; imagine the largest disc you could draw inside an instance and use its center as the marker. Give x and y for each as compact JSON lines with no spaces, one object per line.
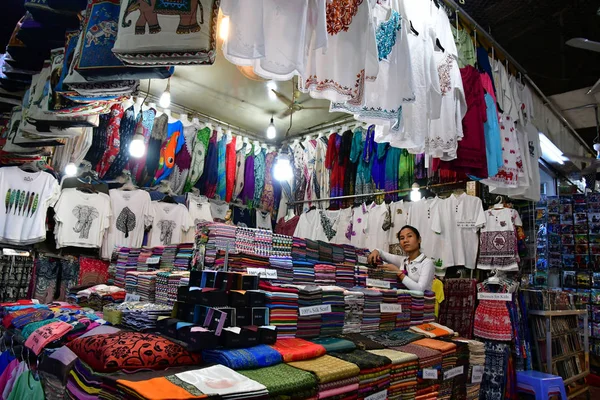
{"x":166,"y":165}
{"x":493,"y":142}
{"x":254,"y":357}
{"x":386,"y":35}
{"x":483,"y":63}
{"x":378,"y":166}
{"x":5,"y":359}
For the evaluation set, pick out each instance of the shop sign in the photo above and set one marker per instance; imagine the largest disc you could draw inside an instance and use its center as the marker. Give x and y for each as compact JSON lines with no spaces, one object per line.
{"x":314,"y":310}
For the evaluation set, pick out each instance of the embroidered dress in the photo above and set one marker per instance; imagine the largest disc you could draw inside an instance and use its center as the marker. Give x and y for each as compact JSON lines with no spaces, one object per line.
{"x":167,"y":32}
{"x":169,"y":149}
{"x":350,"y":34}
{"x":157,"y":136}
{"x":144,"y":128}
{"x":498,"y":248}
{"x":198,"y":157}
{"x":112,"y":140}
{"x":383,"y":106}
{"x":240,"y":160}
{"x":273,"y":37}
{"x":267,"y":199}
{"x":492,"y":319}
{"x":230,"y":160}
{"x":310,"y":149}
{"x":221,"y":177}
{"x":259,"y":176}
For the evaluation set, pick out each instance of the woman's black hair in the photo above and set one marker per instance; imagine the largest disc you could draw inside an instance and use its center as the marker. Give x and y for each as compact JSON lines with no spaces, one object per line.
{"x":412,"y":228}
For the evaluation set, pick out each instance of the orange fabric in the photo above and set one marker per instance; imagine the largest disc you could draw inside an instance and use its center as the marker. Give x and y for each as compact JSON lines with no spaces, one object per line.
{"x":440,"y":345}
{"x":158,"y":389}
{"x":294,"y":349}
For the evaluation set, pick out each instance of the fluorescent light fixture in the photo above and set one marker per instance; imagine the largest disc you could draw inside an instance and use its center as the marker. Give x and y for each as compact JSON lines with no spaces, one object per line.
{"x":549,"y":150}
{"x":272,"y":85}
{"x":415,"y":194}
{"x":271,"y":131}
{"x":224,"y":28}
{"x":71,"y":169}
{"x":283,"y":170}
{"x":165,"y":99}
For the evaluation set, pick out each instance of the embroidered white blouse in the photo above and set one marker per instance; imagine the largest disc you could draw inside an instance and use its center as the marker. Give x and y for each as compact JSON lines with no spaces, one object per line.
{"x":419,"y":272}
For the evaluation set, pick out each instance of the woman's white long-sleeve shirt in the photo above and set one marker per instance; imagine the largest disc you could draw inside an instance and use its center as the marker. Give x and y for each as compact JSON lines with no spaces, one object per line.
{"x":420,"y":271}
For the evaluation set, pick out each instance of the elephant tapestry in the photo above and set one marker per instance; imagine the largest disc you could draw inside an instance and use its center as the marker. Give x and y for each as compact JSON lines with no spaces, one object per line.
{"x":167,"y":32}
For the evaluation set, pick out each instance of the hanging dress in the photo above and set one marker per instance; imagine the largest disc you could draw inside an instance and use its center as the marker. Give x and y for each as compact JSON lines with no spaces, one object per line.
{"x":259,"y":176}
{"x":126,"y":132}
{"x":168,"y":151}
{"x":392,"y":161}
{"x":157,"y":136}
{"x":336,"y":169}
{"x":310,"y":152}
{"x":240,"y":160}
{"x":230,"y":164}
{"x":267,"y":201}
{"x":183,"y":159}
{"x":208,"y":181}
{"x":321,"y":173}
{"x":221,"y":165}
{"x":362,"y":183}
{"x":144,"y":128}
{"x":249,"y":183}
{"x":198,"y":158}
{"x":112,"y":140}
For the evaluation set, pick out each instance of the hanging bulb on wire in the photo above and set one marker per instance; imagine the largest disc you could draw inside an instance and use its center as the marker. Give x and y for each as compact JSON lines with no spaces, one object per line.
{"x":271,"y":130}
{"x":165,"y":99}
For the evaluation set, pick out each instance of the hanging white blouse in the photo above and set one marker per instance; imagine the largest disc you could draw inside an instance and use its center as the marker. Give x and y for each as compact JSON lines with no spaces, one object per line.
{"x":382,"y":105}
{"x":338,"y":73}
{"x":321,"y":174}
{"x":360,"y":223}
{"x":274,"y":36}
{"x":310,"y":148}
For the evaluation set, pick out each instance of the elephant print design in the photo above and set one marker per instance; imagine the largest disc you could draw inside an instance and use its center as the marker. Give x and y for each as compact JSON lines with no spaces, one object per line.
{"x":126,"y":221}
{"x":187,"y":10}
{"x":21,"y":202}
{"x":166,"y":231}
{"x":85,"y":216}
{"x":101,"y":33}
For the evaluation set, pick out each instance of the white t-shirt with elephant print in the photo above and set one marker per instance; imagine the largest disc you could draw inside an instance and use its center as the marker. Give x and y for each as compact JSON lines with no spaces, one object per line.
{"x":171,"y":221}
{"x":81,"y":218}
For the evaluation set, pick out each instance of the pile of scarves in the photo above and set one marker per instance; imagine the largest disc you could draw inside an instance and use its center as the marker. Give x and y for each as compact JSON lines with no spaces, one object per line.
{"x":283,"y":308}
{"x":430,"y":359}
{"x":252,"y":357}
{"x":335,"y":376}
{"x":448,"y":350}
{"x":374,"y":373}
{"x":403,"y":373}
{"x":295,"y":349}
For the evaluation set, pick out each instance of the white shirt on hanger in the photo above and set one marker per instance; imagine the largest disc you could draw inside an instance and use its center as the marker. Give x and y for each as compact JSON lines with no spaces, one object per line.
{"x":421,"y":216}
{"x":376,"y":237}
{"x":170,"y":222}
{"x":399,"y":212}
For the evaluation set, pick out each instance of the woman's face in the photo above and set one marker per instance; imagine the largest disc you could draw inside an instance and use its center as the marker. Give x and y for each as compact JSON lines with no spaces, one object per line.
{"x":409,"y":241}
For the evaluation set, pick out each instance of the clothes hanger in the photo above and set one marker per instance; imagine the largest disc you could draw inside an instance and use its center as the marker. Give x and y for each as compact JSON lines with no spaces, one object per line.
{"x":413,"y":30}
{"x":128,"y":185}
{"x":30,"y":167}
{"x":499,"y":203}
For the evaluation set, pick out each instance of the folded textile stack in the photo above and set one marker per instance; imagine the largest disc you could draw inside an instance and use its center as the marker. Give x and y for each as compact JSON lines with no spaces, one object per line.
{"x":295,"y":349}
{"x":299,"y":249}
{"x":333,"y":322}
{"x":459,"y":390}
{"x":220,"y":237}
{"x":432,"y":330}
{"x":183,"y":257}
{"x":374,"y":373}
{"x":371,"y":313}
{"x":283,"y":381}
{"x":100,"y":295}
{"x":142,"y":261}
{"x":337,"y":254}
{"x":126,"y":262}
{"x":282,"y":245}
{"x":263,"y":242}
{"x":240,"y":262}
{"x":394,"y":338}
{"x":309,"y":326}
{"x":324,"y":274}
{"x":388,"y":319}
{"x":403,"y":373}
{"x":147,"y":286}
{"x":167,"y":260}
{"x":476,"y":358}
{"x":457,"y":311}
{"x":354,"y":304}
{"x":173,"y":285}
{"x":312,"y":250}
{"x":249,"y":358}
{"x":417,"y":307}
{"x":344,"y":275}
{"x":244,"y":240}
{"x":403,"y":318}
{"x":131,"y":281}
{"x":162,"y":287}
{"x":304,"y":272}
{"x":349,"y":254}
{"x":142,"y":316}
{"x":429,"y":306}
{"x":325,"y":251}
{"x":428,"y":358}
{"x":332,"y":344}
{"x":448,"y":350}
{"x":335,"y":376}
{"x":283,"y":308}
{"x":284,"y":267}
{"x":362,"y":342}
{"x":361,"y":273}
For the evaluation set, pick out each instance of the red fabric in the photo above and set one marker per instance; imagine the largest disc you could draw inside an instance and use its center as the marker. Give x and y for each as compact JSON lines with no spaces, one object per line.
{"x":272,"y":288}
{"x":7,"y":320}
{"x":336,"y":162}
{"x":130,"y":351}
{"x":471,"y":156}
{"x":287,"y":228}
{"x":92,"y":271}
{"x":230,"y":164}
{"x":294,"y":349}
{"x":112,"y":139}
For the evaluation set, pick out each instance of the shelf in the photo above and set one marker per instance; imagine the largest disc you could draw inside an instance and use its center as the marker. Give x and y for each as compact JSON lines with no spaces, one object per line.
{"x":557,"y":313}
{"x":570,"y":332}
{"x":576,"y":377}
{"x":568,"y":355}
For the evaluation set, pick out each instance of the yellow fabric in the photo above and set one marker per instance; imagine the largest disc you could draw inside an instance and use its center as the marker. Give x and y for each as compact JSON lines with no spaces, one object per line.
{"x":327,"y":368}
{"x":438,"y":288}
{"x":84,"y":387}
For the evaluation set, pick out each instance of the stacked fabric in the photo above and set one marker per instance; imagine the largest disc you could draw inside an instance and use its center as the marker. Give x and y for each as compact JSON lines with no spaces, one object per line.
{"x":295,"y":349}
{"x":325,"y":252}
{"x":361,"y":273}
{"x":333,"y":322}
{"x":283,"y":308}
{"x":167,"y":260}
{"x":388,"y":319}
{"x":126,"y":262}
{"x":324,"y":274}
{"x":417,"y":307}
{"x":142,"y":262}
{"x":362,"y":342}
{"x":394,"y":338}
{"x":476,"y":357}
{"x":142,"y":316}
{"x":131,"y":281}
{"x":429,"y":306}
{"x":298,"y":249}
{"x":304,"y":272}
{"x":403,"y":318}
{"x":244,"y":240}
{"x":448,"y":350}
{"x":459,"y":391}
{"x":220,"y":237}
{"x":374,"y":373}
{"x":183,"y":257}
{"x":173,"y":285}
{"x":282,"y":245}
{"x":428,"y":358}
{"x":337,"y":253}
{"x":335,"y":376}
{"x":349,"y":254}
{"x":284,"y":267}
{"x":283,"y":381}
{"x":101,"y":295}
{"x":335,"y":344}
{"x":403,"y":373}
{"x":162,"y":287}
{"x":312,"y":250}
{"x":344,"y":275}
{"x":432,"y":330}
{"x":371,"y":313}
{"x":309,"y":326}
{"x":252,"y":357}
{"x":263,"y":242}
{"x":354,"y":304}
{"x":147,"y":286}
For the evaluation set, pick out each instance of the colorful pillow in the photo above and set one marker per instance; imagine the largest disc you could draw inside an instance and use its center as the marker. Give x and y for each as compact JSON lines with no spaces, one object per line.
{"x":130,"y":351}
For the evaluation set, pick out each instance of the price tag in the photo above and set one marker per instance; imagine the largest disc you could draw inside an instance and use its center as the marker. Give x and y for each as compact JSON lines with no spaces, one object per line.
{"x":378,"y":396}
{"x":378,"y":283}
{"x":153,"y":260}
{"x":314,"y":310}
{"x":495,"y":296}
{"x":430,"y":373}
{"x":261,"y":272}
{"x":477,"y":375}
{"x":13,"y":252}
{"x":390,"y":308}
{"x":35,"y":301}
{"x":451,"y":373}
{"x":271,"y":273}
{"x":132,"y":297}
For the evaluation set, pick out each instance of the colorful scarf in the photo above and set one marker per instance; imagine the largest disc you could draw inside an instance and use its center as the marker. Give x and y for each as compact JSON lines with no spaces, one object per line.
{"x":294,"y":349}
{"x":283,"y":380}
{"x":253,"y":357}
{"x":327,"y":368}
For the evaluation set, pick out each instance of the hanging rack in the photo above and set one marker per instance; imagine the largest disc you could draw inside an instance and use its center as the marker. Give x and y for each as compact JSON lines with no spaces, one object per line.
{"x":323,"y":126}
{"x":352,"y":196}
{"x":519,"y":67}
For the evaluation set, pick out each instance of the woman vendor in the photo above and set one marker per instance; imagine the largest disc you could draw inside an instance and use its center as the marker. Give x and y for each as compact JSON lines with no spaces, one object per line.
{"x":415,"y":270}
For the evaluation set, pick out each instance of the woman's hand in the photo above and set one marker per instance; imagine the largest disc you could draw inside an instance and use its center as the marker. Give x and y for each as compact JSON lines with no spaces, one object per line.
{"x":401,"y":275}
{"x":390,"y":268}
{"x":373,"y":257}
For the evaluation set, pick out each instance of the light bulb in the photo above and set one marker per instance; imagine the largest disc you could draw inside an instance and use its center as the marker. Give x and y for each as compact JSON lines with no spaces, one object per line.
{"x":283,"y":170}
{"x":165,"y":99}
{"x":137,"y":147}
{"x":415,"y":194}
{"x":271,"y":131}
{"x":224,"y":28}
{"x":71,"y":169}
{"x":272,"y":85}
